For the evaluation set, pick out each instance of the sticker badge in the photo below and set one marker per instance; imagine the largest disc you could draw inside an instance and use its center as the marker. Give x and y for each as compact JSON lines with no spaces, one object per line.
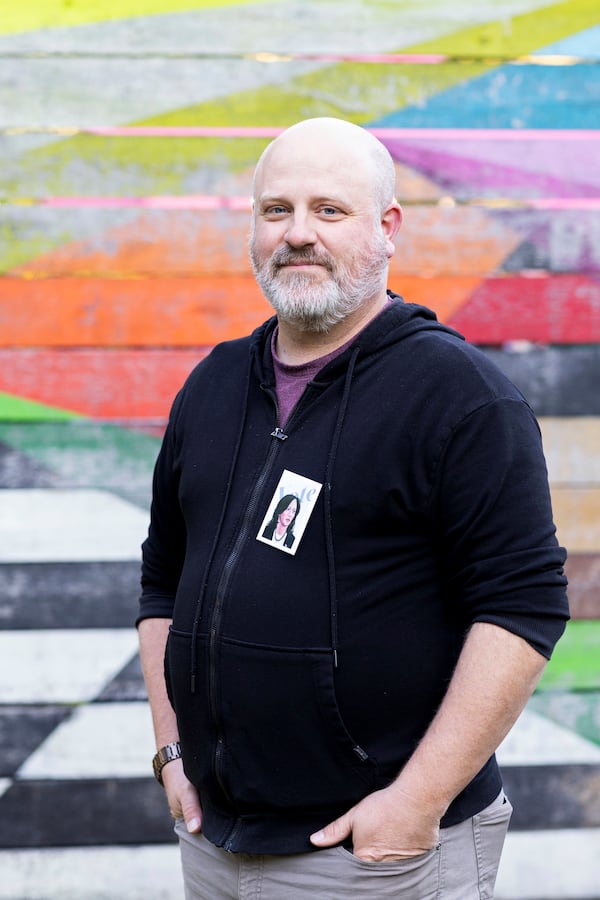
{"x":290,"y":509}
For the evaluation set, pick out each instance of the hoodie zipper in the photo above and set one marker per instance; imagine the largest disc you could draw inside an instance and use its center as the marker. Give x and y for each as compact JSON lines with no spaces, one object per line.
{"x":278,"y":436}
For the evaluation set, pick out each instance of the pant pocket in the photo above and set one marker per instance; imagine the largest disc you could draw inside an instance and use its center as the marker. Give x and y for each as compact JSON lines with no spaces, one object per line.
{"x":489,"y":830}
{"x":417,"y":878}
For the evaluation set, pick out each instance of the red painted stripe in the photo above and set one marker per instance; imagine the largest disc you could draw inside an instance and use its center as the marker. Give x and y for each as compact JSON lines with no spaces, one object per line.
{"x":561,"y":309}
{"x":102,"y":384}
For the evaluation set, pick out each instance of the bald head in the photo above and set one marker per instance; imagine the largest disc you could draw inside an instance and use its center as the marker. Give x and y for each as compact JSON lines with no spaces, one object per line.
{"x":323,"y":223}
{"x":327,"y":138}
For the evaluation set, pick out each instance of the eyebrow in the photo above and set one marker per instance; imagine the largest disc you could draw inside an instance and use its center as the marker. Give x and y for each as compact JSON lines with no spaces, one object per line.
{"x":326,"y":199}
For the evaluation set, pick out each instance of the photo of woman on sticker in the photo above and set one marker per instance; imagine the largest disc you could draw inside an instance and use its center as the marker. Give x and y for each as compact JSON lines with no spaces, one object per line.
{"x":281,"y":526}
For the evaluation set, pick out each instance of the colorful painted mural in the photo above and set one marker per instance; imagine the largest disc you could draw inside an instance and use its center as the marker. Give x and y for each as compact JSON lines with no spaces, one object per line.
{"x":128,"y":135}
{"x":125,"y":222}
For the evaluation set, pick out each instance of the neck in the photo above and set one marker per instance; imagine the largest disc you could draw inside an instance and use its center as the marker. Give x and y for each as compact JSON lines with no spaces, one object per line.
{"x":296,"y":347}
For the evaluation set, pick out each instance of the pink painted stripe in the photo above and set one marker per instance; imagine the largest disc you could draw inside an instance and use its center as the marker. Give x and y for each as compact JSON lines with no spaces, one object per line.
{"x":565,"y":203}
{"x":485,"y":134}
{"x":210,"y":202}
{"x":428,"y":59}
{"x":192,"y":201}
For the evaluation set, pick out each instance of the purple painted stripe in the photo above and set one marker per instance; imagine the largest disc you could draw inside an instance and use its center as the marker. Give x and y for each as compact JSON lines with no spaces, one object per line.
{"x":559,"y":162}
{"x":456,"y":172}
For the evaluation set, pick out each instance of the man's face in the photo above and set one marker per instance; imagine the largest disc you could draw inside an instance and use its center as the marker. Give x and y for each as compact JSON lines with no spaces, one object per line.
{"x":317,"y":246}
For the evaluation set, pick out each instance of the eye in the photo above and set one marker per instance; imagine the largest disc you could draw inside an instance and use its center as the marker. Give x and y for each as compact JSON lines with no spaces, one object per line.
{"x":275,"y":210}
{"x":330,"y":212}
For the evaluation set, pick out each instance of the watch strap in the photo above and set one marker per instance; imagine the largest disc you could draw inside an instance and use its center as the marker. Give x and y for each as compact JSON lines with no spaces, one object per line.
{"x":165,"y":755}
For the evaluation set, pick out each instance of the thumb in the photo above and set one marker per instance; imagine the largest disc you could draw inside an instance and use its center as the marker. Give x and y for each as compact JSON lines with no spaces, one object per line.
{"x":191,"y":811}
{"x":334,"y":833}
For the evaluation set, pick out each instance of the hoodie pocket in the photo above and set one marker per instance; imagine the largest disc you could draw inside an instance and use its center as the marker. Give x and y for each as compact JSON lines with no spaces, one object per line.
{"x":195,"y":724}
{"x":285,"y":743}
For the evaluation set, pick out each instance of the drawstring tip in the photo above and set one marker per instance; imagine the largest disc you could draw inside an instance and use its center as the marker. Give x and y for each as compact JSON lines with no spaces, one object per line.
{"x":193,"y":683}
{"x":335,"y":659}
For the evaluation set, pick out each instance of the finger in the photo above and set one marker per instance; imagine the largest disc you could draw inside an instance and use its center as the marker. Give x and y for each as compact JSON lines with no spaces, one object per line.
{"x":334,"y":833}
{"x":194,"y":825}
{"x":192,"y":812}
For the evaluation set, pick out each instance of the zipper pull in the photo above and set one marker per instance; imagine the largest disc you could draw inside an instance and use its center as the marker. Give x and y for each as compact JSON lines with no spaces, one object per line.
{"x":280,"y":434}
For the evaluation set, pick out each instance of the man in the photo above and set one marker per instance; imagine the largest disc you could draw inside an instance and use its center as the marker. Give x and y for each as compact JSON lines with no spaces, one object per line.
{"x":331,"y":712}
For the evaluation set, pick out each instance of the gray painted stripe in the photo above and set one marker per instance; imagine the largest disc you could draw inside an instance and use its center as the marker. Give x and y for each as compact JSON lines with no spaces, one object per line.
{"x":69,"y":595}
{"x":557,"y":381}
{"x":133,"y":811}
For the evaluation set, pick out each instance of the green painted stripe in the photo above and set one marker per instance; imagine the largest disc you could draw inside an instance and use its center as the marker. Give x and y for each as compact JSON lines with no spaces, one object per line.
{"x":579,"y":711}
{"x":18,"y":409}
{"x":90,"y":454}
{"x":33,"y":14}
{"x":575,"y":663}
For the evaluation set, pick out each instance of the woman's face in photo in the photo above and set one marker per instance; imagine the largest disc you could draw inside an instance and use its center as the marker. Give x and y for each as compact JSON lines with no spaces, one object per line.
{"x":287,"y":515}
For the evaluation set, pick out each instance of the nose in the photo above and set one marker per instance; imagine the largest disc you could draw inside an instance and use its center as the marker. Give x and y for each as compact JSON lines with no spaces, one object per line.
{"x":300,"y":232}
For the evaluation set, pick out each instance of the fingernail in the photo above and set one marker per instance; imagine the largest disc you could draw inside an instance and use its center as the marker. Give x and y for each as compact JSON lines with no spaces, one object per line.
{"x":193,"y":825}
{"x":317,"y":836}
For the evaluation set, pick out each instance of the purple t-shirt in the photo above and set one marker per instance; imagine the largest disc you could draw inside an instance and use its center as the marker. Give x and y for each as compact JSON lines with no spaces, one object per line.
{"x":290,"y":381}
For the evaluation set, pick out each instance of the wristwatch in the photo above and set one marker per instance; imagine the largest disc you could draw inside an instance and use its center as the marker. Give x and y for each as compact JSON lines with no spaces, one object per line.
{"x":165,"y":755}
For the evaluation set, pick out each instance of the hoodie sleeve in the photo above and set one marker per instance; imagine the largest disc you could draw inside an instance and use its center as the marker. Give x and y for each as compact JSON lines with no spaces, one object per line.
{"x":493,"y":513}
{"x":164,"y":549}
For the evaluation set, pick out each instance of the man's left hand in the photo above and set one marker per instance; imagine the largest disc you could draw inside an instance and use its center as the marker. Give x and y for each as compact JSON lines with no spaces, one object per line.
{"x":386,"y":825}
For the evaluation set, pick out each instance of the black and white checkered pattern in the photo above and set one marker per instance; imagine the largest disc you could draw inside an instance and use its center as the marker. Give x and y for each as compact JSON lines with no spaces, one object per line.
{"x":80,"y":813}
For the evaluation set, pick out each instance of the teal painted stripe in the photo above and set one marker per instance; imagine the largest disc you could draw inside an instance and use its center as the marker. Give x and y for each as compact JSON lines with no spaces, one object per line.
{"x":578,"y":711}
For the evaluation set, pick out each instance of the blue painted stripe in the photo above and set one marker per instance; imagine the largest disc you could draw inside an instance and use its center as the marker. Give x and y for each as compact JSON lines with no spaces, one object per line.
{"x":583,"y":43}
{"x":527,"y":96}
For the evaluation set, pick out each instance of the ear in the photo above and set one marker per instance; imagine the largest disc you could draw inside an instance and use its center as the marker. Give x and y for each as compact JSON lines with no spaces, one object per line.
{"x":390,"y":225}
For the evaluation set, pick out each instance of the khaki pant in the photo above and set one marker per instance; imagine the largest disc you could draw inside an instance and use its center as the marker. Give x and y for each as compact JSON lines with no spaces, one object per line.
{"x":462,"y":867}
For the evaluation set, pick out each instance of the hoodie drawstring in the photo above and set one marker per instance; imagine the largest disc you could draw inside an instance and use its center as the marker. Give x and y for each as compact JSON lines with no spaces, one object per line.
{"x":333,"y":604}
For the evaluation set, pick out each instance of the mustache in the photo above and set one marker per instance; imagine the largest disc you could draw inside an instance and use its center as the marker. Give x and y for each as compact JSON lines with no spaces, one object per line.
{"x":285,"y":257}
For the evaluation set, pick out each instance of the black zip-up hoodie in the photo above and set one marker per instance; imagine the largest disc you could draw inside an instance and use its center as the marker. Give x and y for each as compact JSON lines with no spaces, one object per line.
{"x":303,"y":680}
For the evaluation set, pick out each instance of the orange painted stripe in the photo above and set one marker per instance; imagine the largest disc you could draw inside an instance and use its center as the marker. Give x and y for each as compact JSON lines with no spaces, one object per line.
{"x":118,"y":384}
{"x":95,"y":312}
{"x":445,"y":294}
{"x":124,"y":312}
{"x":163,"y":242}
{"x":433,"y":241}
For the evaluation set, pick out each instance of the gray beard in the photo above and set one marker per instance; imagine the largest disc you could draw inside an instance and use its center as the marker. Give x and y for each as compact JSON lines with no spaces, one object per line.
{"x":316,"y":307}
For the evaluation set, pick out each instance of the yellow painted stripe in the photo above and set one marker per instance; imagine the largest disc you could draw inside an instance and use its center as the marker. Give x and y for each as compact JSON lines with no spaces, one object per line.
{"x":29,"y":15}
{"x":571,"y":445}
{"x":520,"y":34}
